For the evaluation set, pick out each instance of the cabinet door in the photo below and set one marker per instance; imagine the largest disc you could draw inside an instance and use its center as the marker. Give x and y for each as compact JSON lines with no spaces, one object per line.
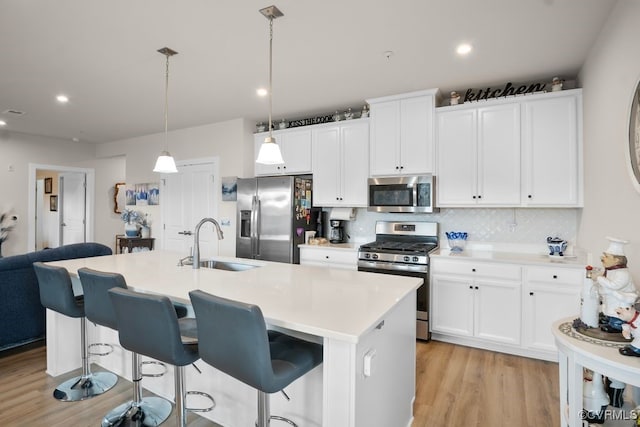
{"x":552,"y":152}
{"x":296,"y":146}
{"x":457,"y":168}
{"x":497,"y":311}
{"x":543,"y":306}
{"x":452,"y":305}
{"x":385,"y":138}
{"x":355,"y":169}
{"x":416,"y":135}
{"x":499,"y":155}
{"x":326,"y":166}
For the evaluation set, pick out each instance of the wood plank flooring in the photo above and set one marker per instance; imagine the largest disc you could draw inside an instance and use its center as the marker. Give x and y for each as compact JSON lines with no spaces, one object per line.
{"x":456,"y":387}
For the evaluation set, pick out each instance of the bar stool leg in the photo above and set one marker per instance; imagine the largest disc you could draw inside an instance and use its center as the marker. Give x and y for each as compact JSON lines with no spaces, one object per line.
{"x":88,"y":384}
{"x":264,"y":412}
{"x":140,"y":412}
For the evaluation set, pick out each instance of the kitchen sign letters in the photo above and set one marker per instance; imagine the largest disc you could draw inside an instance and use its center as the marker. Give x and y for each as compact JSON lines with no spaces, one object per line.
{"x":508,"y":90}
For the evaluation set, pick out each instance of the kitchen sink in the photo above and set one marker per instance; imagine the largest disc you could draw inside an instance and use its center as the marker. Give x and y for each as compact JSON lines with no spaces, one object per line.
{"x":228,"y":266}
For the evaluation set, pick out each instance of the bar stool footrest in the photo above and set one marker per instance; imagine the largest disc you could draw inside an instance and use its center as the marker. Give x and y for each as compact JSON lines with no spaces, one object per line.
{"x":283,"y":419}
{"x":203,"y":394}
{"x":107,"y":351}
{"x":153,"y":362}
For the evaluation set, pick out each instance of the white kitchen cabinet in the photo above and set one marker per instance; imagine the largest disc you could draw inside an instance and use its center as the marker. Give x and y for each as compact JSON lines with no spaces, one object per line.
{"x":550,"y":293}
{"x":479,"y":156}
{"x":475,"y":299}
{"x":295,"y":146}
{"x":329,"y":256}
{"x":340,"y":169}
{"x":552,"y":150}
{"x":402,"y":137}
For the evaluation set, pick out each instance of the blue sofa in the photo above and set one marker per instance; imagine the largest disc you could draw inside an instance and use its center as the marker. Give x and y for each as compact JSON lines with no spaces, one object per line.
{"x":22,"y":317}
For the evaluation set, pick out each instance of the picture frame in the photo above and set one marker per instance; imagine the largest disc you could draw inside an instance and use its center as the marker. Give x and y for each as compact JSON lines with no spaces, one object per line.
{"x":634,"y":138}
{"x":48,"y":185}
{"x":229,"y":188}
{"x":53,"y":203}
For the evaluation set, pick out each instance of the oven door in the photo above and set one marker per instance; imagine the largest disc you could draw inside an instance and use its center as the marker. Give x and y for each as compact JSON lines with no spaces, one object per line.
{"x":422,"y":295}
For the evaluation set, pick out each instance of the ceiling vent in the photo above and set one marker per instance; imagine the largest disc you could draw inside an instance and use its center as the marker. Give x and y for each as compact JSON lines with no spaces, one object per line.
{"x":14,"y":112}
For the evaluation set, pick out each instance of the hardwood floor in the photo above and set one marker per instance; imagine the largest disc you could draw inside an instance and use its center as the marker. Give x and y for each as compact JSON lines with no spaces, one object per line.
{"x":456,"y":387}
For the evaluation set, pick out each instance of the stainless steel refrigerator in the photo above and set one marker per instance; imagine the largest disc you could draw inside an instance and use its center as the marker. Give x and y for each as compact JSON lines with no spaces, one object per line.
{"x":273,"y":214}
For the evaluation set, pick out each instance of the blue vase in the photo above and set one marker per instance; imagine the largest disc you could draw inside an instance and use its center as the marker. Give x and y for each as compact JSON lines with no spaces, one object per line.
{"x":130,"y":229}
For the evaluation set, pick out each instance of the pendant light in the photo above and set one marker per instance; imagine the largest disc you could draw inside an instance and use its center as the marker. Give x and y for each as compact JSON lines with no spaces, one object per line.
{"x":270,"y":151}
{"x":165,"y":163}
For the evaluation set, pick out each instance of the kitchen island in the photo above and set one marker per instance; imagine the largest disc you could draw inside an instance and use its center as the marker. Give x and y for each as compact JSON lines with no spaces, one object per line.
{"x":365,"y":321}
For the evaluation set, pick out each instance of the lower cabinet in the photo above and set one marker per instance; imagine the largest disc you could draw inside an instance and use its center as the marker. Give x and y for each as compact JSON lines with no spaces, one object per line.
{"x":327,"y":256}
{"x":549,"y":294}
{"x":484,"y":302}
{"x":505,"y":307}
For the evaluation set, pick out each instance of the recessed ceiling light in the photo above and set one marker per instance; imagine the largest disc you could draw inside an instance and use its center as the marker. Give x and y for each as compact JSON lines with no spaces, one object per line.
{"x":62,"y":99}
{"x":262,"y":92}
{"x":463,"y":49}
{"x":3,"y":123}
{"x":74,"y":139}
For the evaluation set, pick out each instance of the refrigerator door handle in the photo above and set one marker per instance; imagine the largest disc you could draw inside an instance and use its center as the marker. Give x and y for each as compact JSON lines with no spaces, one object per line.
{"x":258,"y":224}
{"x":254,"y":202}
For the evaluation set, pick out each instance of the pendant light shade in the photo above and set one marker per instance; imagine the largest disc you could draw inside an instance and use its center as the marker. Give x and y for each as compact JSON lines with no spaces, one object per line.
{"x":165,"y":163}
{"x":270,"y":151}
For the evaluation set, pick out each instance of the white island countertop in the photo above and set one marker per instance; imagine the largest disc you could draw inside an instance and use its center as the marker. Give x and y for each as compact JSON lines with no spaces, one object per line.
{"x":338,"y":304}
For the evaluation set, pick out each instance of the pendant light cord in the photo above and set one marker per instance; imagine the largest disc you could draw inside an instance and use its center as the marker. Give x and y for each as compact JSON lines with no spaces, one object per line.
{"x":166,"y":107}
{"x":270,"y":74}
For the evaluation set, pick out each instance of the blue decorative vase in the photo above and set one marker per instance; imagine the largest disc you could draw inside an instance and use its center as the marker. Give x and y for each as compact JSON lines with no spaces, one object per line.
{"x":130,"y":229}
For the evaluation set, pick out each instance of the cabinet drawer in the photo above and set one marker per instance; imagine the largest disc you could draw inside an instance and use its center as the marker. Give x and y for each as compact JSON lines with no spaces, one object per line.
{"x":477,"y":269}
{"x":556,"y":275}
{"x":328,"y":256}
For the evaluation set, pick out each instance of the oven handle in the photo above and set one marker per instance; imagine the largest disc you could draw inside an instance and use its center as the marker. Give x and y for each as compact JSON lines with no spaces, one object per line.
{"x":389,"y":266}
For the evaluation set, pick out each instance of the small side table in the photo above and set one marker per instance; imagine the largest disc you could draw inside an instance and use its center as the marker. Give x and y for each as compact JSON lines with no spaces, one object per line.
{"x":123,"y":241}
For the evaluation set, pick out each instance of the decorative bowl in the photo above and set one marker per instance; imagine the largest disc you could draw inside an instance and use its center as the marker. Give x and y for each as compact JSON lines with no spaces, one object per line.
{"x":457,"y":240}
{"x":556,"y":246}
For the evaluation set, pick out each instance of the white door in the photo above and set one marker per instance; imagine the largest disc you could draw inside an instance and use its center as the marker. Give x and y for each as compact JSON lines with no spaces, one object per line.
{"x":40,"y":240}
{"x":187,"y":197}
{"x":71,"y":207}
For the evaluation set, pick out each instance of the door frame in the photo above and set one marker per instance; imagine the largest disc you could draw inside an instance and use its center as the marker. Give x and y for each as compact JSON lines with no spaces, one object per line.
{"x":31,"y":209}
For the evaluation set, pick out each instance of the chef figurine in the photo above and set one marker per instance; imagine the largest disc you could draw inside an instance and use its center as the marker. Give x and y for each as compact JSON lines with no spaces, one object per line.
{"x":615,"y":285}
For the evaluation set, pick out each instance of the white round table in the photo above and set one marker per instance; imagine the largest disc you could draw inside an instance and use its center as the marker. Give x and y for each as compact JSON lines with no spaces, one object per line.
{"x":576,"y":351}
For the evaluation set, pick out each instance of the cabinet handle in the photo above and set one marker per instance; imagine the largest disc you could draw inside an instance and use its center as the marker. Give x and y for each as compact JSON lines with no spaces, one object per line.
{"x":337,"y":198}
{"x":340,"y":198}
{"x":473,"y":269}
{"x":531,"y":293}
{"x":401,"y":167}
{"x":326,"y":256}
{"x":530,"y":196}
{"x":476,"y":287}
{"x":479,"y":197}
{"x":474,"y":197}
{"x":470,"y":287}
{"x":278,"y":167}
{"x":397,"y":167}
{"x":284,"y":167}
{"x":555,"y":276}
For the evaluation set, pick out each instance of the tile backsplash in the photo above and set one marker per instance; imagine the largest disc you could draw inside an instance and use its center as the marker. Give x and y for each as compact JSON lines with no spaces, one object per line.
{"x":510,"y":226}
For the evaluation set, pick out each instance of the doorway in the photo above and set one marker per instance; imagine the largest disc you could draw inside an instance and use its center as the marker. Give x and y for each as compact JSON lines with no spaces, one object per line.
{"x":60,"y":210}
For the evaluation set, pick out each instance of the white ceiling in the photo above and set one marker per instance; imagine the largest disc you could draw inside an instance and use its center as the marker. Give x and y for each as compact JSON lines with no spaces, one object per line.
{"x":328,"y":55}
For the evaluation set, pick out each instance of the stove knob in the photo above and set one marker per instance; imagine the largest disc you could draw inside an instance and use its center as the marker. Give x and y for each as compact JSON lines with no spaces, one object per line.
{"x":367,"y":256}
{"x":407,"y":259}
{"x":374,"y":256}
{"x":416,"y":259}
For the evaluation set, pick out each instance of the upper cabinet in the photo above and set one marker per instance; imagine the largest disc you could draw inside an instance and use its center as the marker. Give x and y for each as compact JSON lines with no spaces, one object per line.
{"x":523,"y":151}
{"x":402,"y":137}
{"x":339,"y":172}
{"x":295,"y":145}
{"x":479,"y":156}
{"x":552,"y":150}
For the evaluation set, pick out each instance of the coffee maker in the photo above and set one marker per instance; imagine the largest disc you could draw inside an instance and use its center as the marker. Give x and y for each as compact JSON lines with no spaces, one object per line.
{"x":336,"y":233}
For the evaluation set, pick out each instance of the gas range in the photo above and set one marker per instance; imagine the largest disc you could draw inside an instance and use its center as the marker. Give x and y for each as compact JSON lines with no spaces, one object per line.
{"x":399,"y":243}
{"x":402,"y":248}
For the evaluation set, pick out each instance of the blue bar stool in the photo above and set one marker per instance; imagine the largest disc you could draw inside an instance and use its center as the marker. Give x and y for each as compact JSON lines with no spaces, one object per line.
{"x":56,"y":293}
{"x":143,"y":411}
{"x":233,"y":338}
{"x":148,"y":325}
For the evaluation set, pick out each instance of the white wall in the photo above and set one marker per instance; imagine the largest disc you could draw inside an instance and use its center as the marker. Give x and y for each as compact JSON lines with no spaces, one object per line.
{"x":230,"y":141}
{"x":609,"y":78}
{"x":17,"y":151}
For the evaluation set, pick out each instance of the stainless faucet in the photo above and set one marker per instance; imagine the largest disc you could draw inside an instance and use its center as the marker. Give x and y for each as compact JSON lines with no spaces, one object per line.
{"x":196,"y":239}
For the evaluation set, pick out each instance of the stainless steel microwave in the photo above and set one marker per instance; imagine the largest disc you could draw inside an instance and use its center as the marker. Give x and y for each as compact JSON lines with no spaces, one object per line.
{"x":402,"y":194}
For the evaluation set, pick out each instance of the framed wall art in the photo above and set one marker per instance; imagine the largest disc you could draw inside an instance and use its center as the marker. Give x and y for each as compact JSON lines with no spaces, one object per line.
{"x":53,"y":203}
{"x":48,"y":185}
